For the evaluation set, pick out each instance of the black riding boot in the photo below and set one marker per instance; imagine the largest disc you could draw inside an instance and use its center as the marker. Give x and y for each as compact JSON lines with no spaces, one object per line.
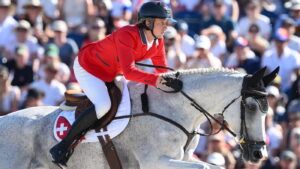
{"x":61,"y":152}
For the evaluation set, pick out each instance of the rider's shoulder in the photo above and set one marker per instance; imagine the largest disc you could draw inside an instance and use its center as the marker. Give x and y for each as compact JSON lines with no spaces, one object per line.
{"x":131,"y":29}
{"x":128,"y":32}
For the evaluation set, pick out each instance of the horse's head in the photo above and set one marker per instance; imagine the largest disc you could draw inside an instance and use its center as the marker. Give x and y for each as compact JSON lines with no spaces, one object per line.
{"x":236,"y":101}
{"x":242,"y":103}
{"x":254,"y":107}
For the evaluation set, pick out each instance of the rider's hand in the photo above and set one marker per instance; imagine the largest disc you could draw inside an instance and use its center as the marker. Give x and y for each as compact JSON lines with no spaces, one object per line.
{"x":169,"y":84}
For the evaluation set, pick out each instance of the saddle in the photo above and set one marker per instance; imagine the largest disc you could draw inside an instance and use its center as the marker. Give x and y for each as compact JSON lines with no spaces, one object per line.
{"x":75,"y":98}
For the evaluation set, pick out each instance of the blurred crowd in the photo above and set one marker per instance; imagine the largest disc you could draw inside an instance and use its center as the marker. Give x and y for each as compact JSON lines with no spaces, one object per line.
{"x":39,"y":40}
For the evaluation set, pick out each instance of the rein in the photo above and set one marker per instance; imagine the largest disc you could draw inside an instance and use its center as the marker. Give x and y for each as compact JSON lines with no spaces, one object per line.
{"x":223,"y":123}
{"x":195,"y":105}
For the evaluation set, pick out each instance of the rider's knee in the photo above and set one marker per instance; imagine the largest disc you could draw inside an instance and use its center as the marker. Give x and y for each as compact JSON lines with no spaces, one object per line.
{"x":102,"y":108}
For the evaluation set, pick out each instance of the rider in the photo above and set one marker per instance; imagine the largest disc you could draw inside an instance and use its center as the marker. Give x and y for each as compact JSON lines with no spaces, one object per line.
{"x":101,"y":61}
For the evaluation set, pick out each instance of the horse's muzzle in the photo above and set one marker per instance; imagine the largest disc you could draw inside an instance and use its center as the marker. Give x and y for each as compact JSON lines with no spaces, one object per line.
{"x":252,"y":152}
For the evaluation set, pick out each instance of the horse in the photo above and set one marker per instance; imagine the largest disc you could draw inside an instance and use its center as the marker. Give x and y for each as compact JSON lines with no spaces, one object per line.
{"x":149,"y":142}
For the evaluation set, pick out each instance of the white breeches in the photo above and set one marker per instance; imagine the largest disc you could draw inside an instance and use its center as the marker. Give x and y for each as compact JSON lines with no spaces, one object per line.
{"x":94,"y":88}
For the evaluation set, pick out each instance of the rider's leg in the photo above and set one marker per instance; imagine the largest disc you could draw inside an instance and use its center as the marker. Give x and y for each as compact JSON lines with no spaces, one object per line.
{"x":96,"y":90}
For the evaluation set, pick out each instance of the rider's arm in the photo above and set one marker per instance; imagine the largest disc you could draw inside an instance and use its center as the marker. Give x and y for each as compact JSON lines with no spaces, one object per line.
{"x":125,"y":43}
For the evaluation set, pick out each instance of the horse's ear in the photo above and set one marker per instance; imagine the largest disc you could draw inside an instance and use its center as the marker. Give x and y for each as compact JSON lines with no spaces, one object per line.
{"x":270,"y":77}
{"x":257,"y":76}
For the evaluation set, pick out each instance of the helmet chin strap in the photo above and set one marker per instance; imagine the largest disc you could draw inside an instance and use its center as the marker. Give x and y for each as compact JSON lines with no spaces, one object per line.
{"x":153,"y":35}
{"x":151,"y":28}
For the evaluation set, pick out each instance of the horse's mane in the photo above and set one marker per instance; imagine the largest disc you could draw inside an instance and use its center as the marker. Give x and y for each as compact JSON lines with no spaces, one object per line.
{"x":204,"y":71}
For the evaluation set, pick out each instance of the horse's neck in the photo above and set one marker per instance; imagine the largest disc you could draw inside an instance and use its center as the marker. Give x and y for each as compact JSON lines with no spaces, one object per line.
{"x":213,"y":93}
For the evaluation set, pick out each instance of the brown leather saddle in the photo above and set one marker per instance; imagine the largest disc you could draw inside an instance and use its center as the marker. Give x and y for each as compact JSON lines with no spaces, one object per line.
{"x":80,"y":100}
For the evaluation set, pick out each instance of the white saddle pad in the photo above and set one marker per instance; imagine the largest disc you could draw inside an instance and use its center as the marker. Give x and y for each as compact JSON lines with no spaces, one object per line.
{"x":66,"y":118}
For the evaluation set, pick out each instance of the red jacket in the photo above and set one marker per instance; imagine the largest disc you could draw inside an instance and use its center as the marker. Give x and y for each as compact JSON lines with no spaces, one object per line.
{"x":117,"y":54}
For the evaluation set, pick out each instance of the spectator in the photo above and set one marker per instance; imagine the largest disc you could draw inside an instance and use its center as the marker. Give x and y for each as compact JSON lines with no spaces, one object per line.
{"x":274,"y":134}
{"x":243,"y":57}
{"x":234,"y":11}
{"x":287,"y":160}
{"x":295,"y":143}
{"x":272,"y":9}
{"x":273,"y":97}
{"x":257,"y":43}
{"x":204,"y":9}
{"x":33,"y":98}
{"x":7,"y":25}
{"x":21,"y":69}
{"x":34,"y":15}
{"x":294,"y":113}
{"x":187,"y":43}
{"x":218,"y":41}
{"x":103,"y":12}
{"x":53,"y":89}
{"x":276,"y":103}
{"x":23,"y":36}
{"x":136,"y":5}
{"x":216,"y":144}
{"x":9,"y":95}
{"x":67,"y":47}
{"x":50,"y":9}
{"x":52,"y":55}
{"x":232,"y":8}
{"x":183,"y":5}
{"x":121,"y":12}
{"x":253,"y":16}
{"x":96,"y":31}
{"x":78,"y":18}
{"x":193,"y":18}
{"x":221,"y":20}
{"x":294,"y":9}
{"x":282,"y":56}
{"x":19,"y":7}
{"x":175,"y":56}
{"x":293,"y":40}
{"x":295,"y":91}
{"x":203,"y":57}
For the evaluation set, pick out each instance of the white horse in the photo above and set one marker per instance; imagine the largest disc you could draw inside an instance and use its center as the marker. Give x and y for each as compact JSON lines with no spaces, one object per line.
{"x":149,"y":142}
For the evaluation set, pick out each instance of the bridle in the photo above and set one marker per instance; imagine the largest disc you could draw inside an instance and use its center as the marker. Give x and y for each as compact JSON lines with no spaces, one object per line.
{"x":244,"y":136}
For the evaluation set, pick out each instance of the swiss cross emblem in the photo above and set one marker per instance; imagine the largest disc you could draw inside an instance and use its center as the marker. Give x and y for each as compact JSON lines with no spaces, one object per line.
{"x":62,"y":127}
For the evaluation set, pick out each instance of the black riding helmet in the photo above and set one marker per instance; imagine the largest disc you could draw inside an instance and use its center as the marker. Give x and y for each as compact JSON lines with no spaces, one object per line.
{"x":154,"y":9}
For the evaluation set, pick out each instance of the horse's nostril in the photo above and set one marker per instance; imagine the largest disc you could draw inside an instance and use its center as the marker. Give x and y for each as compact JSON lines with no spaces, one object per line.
{"x":257,"y":154}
